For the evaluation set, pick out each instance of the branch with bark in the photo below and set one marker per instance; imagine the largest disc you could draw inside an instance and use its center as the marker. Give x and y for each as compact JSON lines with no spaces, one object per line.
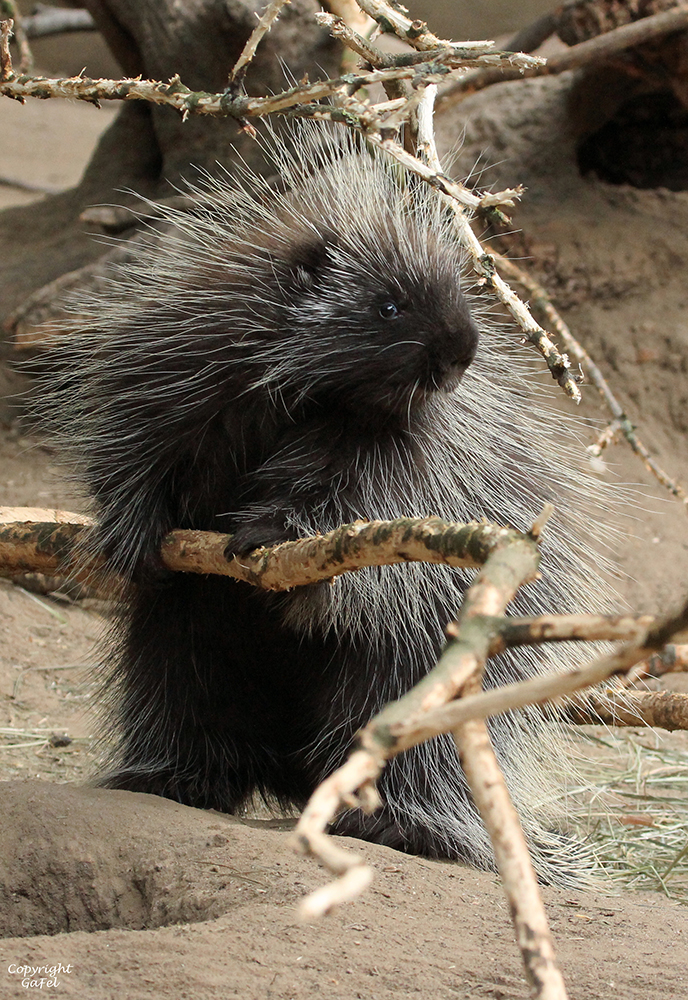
{"x":659,"y":709}
{"x":54,"y":543}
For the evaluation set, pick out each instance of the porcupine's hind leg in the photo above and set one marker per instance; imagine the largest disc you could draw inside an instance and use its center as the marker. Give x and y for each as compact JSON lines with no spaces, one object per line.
{"x":202,"y":698}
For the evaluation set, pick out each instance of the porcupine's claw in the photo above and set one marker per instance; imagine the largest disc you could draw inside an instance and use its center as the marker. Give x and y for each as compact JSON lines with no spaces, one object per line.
{"x":259,"y":532}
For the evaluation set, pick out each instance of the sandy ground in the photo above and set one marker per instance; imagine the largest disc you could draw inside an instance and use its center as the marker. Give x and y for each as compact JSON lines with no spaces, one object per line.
{"x":139,"y":897}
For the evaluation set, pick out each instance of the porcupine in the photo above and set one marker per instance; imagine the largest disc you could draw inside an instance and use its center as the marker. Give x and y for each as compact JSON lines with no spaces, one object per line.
{"x":289,"y":358}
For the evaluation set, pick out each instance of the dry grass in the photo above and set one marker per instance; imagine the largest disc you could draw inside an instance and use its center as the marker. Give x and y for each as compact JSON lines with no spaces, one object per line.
{"x":632,"y":804}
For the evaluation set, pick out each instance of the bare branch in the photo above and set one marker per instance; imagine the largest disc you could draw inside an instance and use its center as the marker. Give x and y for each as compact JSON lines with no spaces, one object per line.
{"x":445,"y":62}
{"x":505,"y":570}
{"x":539,"y":690}
{"x":491,"y":796}
{"x":425,"y":712}
{"x":269,"y":16}
{"x":6,"y":28}
{"x":660,"y":709}
{"x":468,"y":52}
{"x":52,"y":544}
{"x":507,"y":567}
{"x":442,"y":63}
{"x":416,"y":33}
{"x":526,"y":631}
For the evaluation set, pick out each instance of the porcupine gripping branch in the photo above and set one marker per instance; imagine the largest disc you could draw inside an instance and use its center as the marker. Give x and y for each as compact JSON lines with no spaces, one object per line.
{"x":441,"y":60}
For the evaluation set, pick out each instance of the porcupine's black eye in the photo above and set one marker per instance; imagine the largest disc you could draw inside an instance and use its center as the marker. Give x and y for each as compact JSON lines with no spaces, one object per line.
{"x":389,"y":310}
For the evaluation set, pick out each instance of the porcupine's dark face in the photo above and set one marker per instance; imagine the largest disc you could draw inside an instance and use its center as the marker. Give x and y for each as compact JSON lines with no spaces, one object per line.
{"x":379,"y":335}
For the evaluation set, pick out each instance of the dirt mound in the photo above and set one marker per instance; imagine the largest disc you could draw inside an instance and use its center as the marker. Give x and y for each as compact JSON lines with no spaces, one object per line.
{"x":81,"y":859}
{"x":87,"y":859}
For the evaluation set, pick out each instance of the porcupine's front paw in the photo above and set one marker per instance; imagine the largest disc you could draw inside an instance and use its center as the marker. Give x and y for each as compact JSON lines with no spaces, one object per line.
{"x":261,"y":531}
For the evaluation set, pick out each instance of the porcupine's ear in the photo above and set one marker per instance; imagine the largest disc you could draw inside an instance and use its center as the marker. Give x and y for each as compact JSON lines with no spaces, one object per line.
{"x":309,"y":260}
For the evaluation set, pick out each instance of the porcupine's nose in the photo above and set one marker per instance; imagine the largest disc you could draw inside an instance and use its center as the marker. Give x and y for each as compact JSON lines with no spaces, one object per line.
{"x":456,"y":347}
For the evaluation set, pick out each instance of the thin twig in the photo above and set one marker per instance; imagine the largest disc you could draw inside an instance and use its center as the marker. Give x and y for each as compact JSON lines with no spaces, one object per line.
{"x":266,"y":21}
{"x":339,"y":29}
{"x":542,"y":303}
{"x":8,"y":9}
{"x":6,"y":29}
{"x":594,"y":50}
{"x":606,"y":437}
{"x":449,"y":51}
{"x":416,"y":33}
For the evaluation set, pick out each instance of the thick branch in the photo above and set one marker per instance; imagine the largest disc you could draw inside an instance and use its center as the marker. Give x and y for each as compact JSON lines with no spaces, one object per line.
{"x":661,"y":709}
{"x":491,"y":796}
{"x":506,"y":569}
{"x":55,"y":545}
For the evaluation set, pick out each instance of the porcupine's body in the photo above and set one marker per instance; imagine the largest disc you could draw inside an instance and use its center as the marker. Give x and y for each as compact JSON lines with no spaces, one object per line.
{"x":286,"y":363}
